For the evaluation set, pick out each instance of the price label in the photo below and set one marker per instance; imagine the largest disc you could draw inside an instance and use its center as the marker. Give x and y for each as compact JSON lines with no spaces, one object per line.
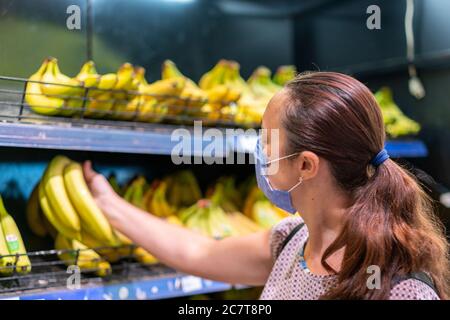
{"x":191,"y":283}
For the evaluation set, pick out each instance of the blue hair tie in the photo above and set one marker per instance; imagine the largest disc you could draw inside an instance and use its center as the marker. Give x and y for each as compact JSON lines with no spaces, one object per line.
{"x":381,"y":157}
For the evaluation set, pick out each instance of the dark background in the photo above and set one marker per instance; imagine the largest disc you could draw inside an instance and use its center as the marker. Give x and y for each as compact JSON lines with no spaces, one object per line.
{"x":312,"y":34}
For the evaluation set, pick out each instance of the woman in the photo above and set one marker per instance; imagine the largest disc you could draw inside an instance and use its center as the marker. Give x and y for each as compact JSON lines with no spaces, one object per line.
{"x":360,"y":212}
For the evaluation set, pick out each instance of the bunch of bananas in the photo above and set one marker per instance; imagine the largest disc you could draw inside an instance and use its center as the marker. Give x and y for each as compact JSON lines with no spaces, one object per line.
{"x":62,"y":206}
{"x":222,"y":94}
{"x":258,"y":208}
{"x":13,"y":255}
{"x":49,"y":92}
{"x":165,"y":197}
{"x":396,"y":122}
{"x":225,"y":195}
{"x":284,"y":74}
{"x":207,"y":218}
{"x":191,"y":98}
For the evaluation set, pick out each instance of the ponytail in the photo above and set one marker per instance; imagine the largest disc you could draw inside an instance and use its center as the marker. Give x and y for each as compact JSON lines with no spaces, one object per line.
{"x":391,"y":225}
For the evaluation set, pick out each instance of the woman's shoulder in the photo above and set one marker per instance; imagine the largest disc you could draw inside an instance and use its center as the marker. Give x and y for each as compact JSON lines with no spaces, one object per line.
{"x":412,"y":289}
{"x":281,"y":231}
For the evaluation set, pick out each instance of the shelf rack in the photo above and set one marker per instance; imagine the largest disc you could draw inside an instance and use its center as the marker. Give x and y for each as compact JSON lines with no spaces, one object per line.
{"x":149,"y":139}
{"x":152,"y":287}
{"x":128,"y":279}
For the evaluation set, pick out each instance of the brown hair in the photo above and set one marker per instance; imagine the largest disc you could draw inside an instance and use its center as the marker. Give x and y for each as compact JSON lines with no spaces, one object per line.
{"x":391,"y":221}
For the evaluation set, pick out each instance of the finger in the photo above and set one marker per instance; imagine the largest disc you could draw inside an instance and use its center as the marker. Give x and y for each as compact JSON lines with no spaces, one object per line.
{"x":89,"y":173}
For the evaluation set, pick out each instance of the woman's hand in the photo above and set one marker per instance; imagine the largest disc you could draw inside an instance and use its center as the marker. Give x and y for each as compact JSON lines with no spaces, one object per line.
{"x":100,"y":188}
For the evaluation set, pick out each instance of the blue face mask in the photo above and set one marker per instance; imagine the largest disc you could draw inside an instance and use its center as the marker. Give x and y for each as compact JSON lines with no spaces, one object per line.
{"x":282,"y":199}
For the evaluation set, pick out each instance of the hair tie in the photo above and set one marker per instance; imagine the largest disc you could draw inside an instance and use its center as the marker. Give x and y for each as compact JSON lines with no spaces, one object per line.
{"x":381,"y":157}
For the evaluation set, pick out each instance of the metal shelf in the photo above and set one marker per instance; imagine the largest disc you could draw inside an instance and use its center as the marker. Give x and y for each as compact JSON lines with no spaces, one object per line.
{"x":152,"y":139}
{"x":152,"y":288}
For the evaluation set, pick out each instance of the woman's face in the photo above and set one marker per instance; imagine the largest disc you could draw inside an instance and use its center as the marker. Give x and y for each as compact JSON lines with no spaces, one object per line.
{"x":283,"y":174}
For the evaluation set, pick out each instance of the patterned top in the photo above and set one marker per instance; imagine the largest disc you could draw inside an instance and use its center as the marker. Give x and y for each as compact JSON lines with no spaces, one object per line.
{"x":289,"y":280}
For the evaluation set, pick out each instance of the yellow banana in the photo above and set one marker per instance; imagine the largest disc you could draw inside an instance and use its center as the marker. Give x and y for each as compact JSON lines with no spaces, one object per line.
{"x":14,"y":240}
{"x":144,"y":256}
{"x":110,"y":253}
{"x":34,"y":214}
{"x":34,"y":97}
{"x":92,"y":219}
{"x":242,"y":220}
{"x":163,"y":89}
{"x":55,"y":191}
{"x":124,"y":76}
{"x":57,"y":84}
{"x":284,"y":74}
{"x":6,"y":261}
{"x":214,"y":76}
{"x":52,"y":218}
{"x":74,"y":251}
{"x":174,"y":220}
{"x":132,"y":101}
{"x":108,"y":81}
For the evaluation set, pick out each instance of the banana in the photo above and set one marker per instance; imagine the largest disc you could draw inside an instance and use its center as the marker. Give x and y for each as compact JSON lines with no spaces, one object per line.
{"x":261,"y":84}
{"x":73,"y":251}
{"x":88,"y":74}
{"x":242,"y":220}
{"x":100,"y":100}
{"x":92,"y":219}
{"x":214,"y":76}
{"x":264,"y":214}
{"x":109,"y":253}
{"x":396,"y":122}
{"x":124,"y":76}
{"x":52,"y":218}
{"x":133,"y":101}
{"x":114,"y":184}
{"x":160,"y":206}
{"x":34,"y":97}
{"x":191,"y":96}
{"x":163,"y":89}
{"x":14,"y":240}
{"x":137,"y":197}
{"x":148,"y":198}
{"x":144,"y":256}
{"x":284,"y":74}
{"x":108,"y":81}
{"x":197,"y":222}
{"x":57,"y":84}
{"x":6,"y":261}
{"x":174,"y":220}
{"x":34,"y":214}
{"x":56,"y":193}
{"x":129,"y":190}
{"x":139,"y":253}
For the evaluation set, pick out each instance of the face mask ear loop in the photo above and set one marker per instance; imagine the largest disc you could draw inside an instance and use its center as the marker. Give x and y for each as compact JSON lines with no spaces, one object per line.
{"x":285,"y":157}
{"x":300,"y":181}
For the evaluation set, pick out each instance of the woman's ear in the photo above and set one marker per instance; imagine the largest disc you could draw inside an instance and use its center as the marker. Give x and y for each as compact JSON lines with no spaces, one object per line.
{"x":308,"y":164}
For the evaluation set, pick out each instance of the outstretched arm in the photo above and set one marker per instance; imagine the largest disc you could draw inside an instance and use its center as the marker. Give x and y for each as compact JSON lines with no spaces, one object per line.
{"x":244,"y":259}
